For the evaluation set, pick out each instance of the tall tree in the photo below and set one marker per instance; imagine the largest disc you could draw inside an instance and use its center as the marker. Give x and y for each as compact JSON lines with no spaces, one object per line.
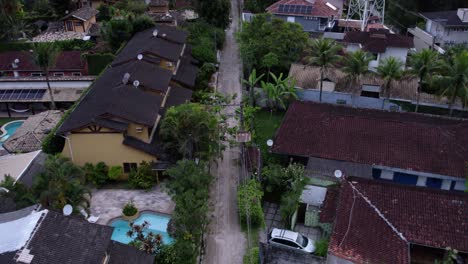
{"x":45,"y":55}
{"x":251,"y":82}
{"x":454,"y":78}
{"x":356,"y":64}
{"x":268,"y":61}
{"x":62,"y":6}
{"x":390,"y":69}
{"x":423,"y":64}
{"x":323,"y":53}
{"x":215,"y":12}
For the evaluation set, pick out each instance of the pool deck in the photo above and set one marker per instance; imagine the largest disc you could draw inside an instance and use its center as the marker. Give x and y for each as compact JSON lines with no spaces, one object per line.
{"x":108,"y":203}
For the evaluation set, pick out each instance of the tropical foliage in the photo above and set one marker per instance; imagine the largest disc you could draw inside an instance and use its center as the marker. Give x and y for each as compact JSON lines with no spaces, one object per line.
{"x":215,"y":12}
{"x":323,"y":53}
{"x":96,"y":174}
{"x":249,"y":202}
{"x":279,"y":92}
{"x":61,"y":183}
{"x":321,"y":247}
{"x":294,"y":186}
{"x":390,"y":69}
{"x":145,"y":240}
{"x":45,"y":55}
{"x":129,"y":209}
{"x":143,"y":177}
{"x":356,"y":64}
{"x":205,"y":39}
{"x":17,"y":192}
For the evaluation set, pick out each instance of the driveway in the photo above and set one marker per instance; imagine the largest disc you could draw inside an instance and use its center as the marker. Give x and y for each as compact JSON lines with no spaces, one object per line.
{"x":108,"y":203}
{"x":225,"y":242}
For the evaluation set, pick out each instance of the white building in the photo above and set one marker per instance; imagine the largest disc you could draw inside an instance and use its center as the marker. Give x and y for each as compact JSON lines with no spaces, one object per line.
{"x":380,"y":43}
{"x":443,"y":29}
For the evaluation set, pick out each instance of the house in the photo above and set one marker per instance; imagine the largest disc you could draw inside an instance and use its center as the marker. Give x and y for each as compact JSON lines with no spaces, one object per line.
{"x":442,"y":30}
{"x":158,"y":7}
{"x":313,"y":15}
{"x":80,"y":20}
{"x":29,"y":136}
{"x":21,"y":64}
{"x":24,"y":96}
{"x":117,"y":122}
{"x":380,"y":43}
{"x":406,"y":148}
{"x":390,"y":223}
{"x":45,"y":236}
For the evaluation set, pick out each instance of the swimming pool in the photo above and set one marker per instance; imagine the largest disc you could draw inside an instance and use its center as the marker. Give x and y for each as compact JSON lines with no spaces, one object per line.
{"x":9,"y":129}
{"x":157,"y":224}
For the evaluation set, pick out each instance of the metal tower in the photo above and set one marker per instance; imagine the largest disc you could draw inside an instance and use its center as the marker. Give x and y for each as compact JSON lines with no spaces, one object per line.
{"x":362,"y":10}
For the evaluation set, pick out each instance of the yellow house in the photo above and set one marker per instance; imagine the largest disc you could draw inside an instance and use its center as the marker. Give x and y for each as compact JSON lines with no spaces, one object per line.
{"x":117,"y":122}
{"x":80,"y":20}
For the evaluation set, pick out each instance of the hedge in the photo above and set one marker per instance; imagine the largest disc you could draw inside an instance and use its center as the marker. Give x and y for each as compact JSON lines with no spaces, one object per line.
{"x":249,"y":200}
{"x":98,"y":62}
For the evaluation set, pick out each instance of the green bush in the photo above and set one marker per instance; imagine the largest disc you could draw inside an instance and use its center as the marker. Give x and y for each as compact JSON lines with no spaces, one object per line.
{"x":98,"y":62}
{"x":321,"y":247}
{"x":114,"y":173}
{"x":129,"y":209}
{"x":252,"y":257}
{"x":116,"y":32}
{"x":204,"y":51}
{"x":249,"y":199}
{"x":97,"y":175}
{"x":204,"y":75}
{"x":143,"y":177}
{"x":141,"y":23}
{"x":18,"y":192}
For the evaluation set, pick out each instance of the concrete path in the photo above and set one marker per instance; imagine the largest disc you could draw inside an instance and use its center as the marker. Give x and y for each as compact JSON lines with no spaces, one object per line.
{"x":226,"y":244}
{"x":108,"y":203}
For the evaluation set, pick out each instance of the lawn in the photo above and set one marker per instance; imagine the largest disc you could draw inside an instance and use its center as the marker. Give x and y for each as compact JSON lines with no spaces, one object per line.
{"x":5,"y":120}
{"x":266,"y":124}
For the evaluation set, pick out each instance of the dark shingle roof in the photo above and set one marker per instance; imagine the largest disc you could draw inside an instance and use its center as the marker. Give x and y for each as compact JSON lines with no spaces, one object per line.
{"x":62,"y":240}
{"x":399,"y":140}
{"x":85,"y":13}
{"x":187,"y":72}
{"x":378,"y":40}
{"x":402,"y":215}
{"x":124,"y":254}
{"x":446,"y":18}
{"x":66,"y":60}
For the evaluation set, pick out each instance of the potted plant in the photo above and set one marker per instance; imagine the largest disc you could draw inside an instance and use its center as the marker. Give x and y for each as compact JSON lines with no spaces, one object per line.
{"x":130,"y":212}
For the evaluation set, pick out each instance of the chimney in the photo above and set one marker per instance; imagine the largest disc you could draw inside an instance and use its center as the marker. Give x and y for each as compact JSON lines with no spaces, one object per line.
{"x":462,"y":13}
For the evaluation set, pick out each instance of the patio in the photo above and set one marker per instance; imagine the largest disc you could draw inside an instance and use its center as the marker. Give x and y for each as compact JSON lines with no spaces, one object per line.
{"x":108,"y":203}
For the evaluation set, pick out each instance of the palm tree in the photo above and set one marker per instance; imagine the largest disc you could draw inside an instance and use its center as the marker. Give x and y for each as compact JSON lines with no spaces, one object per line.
{"x":323,"y":53}
{"x":389,"y":69}
{"x":423,"y":64}
{"x":356,"y":64}
{"x":454,"y":78}
{"x":45,"y":55}
{"x":251,"y":82}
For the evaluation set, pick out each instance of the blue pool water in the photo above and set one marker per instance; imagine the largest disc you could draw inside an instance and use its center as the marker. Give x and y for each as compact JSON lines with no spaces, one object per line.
{"x":10,"y":130}
{"x":157,"y":224}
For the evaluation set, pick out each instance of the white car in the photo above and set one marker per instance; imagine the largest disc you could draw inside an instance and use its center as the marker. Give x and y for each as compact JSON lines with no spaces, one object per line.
{"x":290,"y":239}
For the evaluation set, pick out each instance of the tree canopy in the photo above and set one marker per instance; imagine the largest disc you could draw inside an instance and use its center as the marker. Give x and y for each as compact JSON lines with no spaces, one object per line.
{"x":215,"y":12}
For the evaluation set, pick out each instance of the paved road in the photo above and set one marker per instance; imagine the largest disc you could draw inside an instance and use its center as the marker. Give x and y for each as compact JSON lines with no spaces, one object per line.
{"x":226,"y":244}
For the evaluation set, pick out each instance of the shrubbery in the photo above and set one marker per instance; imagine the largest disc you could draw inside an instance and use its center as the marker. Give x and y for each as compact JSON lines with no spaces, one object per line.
{"x":204,"y":75}
{"x":129,"y":209}
{"x":143,"y":177}
{"x":252,"y":256}
{"x":249,"y":200}
{"x":205,"y":39}
{"x":321,"y":247}
{"x":114,"y":173}
{"x":141,"y":23}
{"x":96,"y":174}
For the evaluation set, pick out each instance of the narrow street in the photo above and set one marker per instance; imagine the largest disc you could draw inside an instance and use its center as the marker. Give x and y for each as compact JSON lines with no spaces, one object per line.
{"x":226,"y":244}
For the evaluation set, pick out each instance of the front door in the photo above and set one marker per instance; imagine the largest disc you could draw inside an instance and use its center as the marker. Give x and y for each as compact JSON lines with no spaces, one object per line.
{"x":69,"y":25}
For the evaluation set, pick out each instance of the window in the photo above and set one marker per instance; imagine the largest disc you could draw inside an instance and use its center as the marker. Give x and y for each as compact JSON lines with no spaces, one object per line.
{"x":291,"y":19}
{"x":37,"y":74}
{"x":58,"y":74}
{"x":76,"y":74}
{"x":129,"y":167}
{"x":288,"y":243}
{"x":77,"y":24}
{"x":434,"y":183}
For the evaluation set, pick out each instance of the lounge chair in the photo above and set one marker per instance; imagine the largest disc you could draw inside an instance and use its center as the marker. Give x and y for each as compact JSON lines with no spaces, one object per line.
{"x":91,"y":218}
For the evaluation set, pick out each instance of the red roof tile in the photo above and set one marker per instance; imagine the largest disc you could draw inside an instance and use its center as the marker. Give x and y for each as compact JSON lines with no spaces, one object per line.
{"x":67,"y":60}
{"x":386,"y":218}
{"x":398,"y":140}
{"x":328,"y":210}
{"x":319,"y":8}
{"x":378,"y":39}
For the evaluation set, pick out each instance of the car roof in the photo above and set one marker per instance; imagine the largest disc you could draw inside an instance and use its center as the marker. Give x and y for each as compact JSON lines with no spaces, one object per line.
{"x":282,"y":233}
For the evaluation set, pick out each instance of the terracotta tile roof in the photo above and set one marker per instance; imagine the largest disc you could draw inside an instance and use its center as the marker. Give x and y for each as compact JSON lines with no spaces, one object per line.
{"x":328,"y":209}
{"x":319,"y":8}
{"x":378,"y":40}
{"x":402,"y":215}
{"x":399,"y":140}
{"x":66,"y":60}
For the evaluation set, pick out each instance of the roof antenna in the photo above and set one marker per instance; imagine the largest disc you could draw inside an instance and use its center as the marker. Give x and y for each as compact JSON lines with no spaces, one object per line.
{"x":136,"y":83}
{"x":125,"y":78}
{"x":155,"y":33}
{"x":140,"y":56}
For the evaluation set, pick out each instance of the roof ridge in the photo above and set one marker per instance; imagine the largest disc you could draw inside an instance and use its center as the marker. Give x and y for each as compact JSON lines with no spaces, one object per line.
{"x":379,"y":213}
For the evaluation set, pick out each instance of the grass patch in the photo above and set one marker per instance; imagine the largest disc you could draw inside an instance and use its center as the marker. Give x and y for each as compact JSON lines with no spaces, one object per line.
{"x":251,"y":256}
{"x":266,"y":124}
{"x":424,"y":109}
{"x":6,"y":120}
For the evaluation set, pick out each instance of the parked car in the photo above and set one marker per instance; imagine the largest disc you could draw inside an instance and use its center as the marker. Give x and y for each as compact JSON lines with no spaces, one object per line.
{"x":290,"y":239}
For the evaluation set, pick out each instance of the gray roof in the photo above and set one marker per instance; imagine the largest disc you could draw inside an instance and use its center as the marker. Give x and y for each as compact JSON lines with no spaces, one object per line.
{"x":446,"y":18}
{"x":124,"y":254}
{"x":85,"y":13}
{"x":29,"y":136}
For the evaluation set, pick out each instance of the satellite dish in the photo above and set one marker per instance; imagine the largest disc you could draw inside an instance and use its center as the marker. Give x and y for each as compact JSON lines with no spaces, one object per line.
{"x":155,"y":33}
{"x":140,"y":56}
{"x":17,"y":61}
{"x":269,"y":142}
{"x":136,"y":83}
{"x":67,"y":210}
{"x":125,"y":78}
{"x":338,"y":174}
